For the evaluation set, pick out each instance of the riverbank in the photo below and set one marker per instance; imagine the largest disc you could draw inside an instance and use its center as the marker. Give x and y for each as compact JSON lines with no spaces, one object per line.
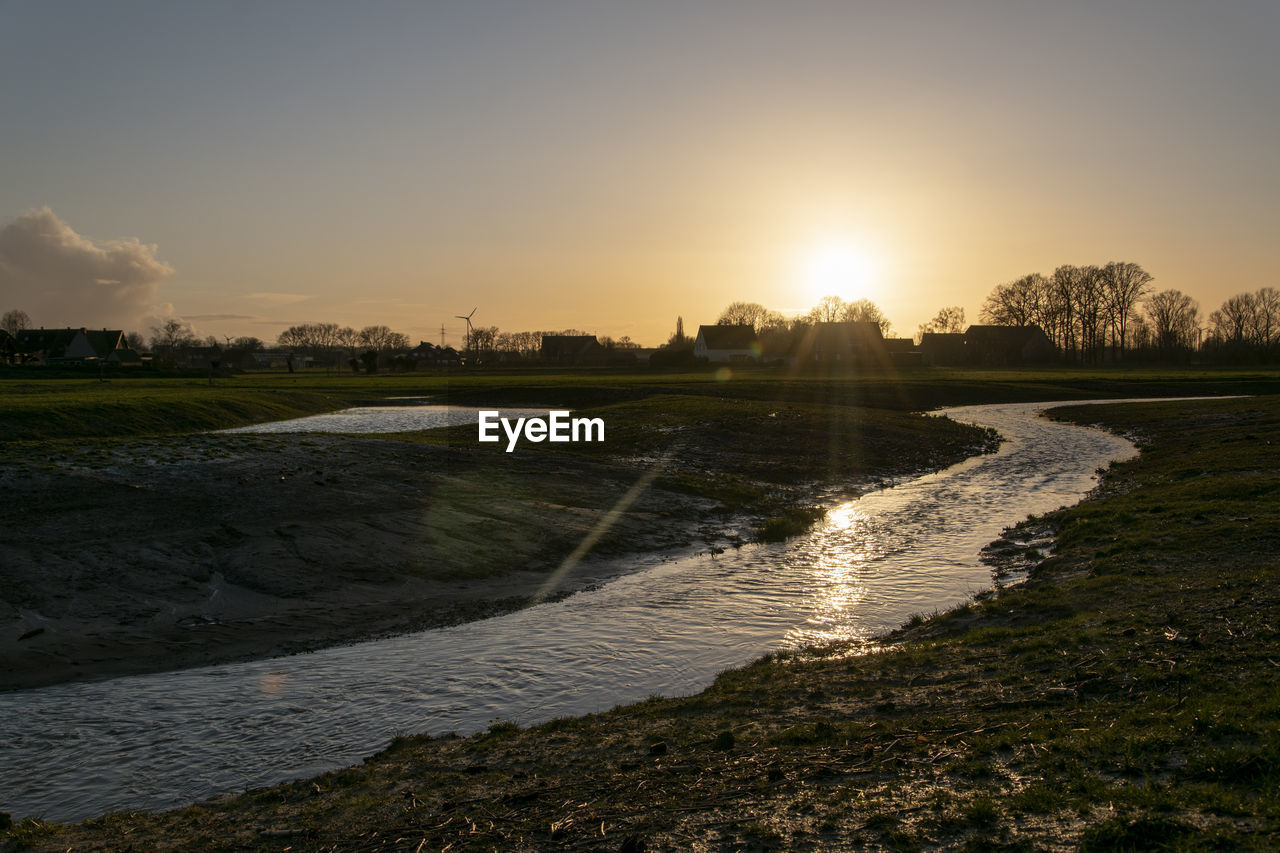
{"x":1123,"y":698}
{"x":148,"y":553}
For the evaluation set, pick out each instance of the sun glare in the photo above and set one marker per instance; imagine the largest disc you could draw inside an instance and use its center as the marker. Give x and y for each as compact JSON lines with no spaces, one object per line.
{"x":838,"y":269}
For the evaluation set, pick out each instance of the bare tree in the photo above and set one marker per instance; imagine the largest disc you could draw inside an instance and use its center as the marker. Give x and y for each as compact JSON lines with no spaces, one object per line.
{"x":1124,"y":285}
{"x":1247,"y":326}
{"x":248,"y":343}
{"x":1065,"y":286}
{"x":949,"y":320}
{"x":1016,"y":303}
{"x":1235,"y":321}
{"x":751,"y":314}
{"x":15,"y":321}
{"x":1267,"y":317}
{"x":866,"y":311}
{"x":347,"y":338}
{"x":1175,"y":321}
{"x":483,"y":338}
{"x":172,"y":334}
{"x":523,"y":344}
{"x":311,"y":338}
{"x":829,"y":309}
{"x":380,"y":339}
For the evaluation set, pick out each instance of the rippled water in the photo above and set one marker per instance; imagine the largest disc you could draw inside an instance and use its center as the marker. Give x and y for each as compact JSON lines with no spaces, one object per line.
{"x":154,"y":741}
{"x":371,"y":419}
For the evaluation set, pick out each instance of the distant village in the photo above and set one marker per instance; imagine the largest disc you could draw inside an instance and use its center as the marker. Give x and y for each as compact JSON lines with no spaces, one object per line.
{"x":1078,"y":315}
{"x":822,"y":343}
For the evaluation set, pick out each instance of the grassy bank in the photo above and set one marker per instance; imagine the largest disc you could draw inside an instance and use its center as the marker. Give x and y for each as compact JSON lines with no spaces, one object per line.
{"x":137,"y":404}
{"x":1126,"y":697}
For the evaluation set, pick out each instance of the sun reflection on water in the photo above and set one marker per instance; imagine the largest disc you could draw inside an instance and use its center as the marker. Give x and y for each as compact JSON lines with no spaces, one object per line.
{"x":839,"y":576}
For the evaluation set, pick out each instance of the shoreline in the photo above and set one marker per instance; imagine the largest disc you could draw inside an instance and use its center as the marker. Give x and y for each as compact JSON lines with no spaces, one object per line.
{"x":1122,"y":698}
{"x":154,"y":554}
{"x":198,"y":617}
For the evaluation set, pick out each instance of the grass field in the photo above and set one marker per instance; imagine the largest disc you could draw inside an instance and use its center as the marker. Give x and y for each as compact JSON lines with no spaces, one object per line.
{"x":34,"y":409}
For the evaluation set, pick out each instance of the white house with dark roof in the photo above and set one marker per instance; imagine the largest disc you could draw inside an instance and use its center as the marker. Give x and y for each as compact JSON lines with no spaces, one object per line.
{"x":48,"y":346}
{"x":725,"y":344}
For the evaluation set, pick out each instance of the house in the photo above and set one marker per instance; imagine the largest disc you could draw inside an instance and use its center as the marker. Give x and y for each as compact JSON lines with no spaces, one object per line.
{"x":571,"y":349}
{"x":8,"y":347}
{"x":1008,"y":346}
{"x":432,"y":356}
{"x":943,"y":348}
{"x":724,"y":344}
{"x":127,"y":357}
{"x":902,"y":352}
{"x":69,"y":346}
{"x":856,"y":342}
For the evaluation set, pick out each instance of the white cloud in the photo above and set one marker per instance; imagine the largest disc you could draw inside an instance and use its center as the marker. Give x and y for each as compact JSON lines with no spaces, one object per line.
{"x":61,"y":278}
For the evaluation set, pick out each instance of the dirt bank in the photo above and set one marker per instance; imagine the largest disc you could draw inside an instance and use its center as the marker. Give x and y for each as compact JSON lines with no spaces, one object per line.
{"x":165,"y":554}
{"x":142,"y":555}
{"x":1124,"y":698}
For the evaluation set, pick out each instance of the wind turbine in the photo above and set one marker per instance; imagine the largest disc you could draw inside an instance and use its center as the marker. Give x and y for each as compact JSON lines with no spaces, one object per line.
{"x":469,"y":329}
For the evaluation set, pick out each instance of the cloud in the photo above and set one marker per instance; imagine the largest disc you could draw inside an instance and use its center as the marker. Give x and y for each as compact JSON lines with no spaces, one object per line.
{"x":218,"y":318}
{"x":61,"y":278}
{"x":277,"y":298}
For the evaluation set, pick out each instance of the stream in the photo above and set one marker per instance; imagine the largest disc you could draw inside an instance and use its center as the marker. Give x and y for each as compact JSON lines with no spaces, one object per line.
{"x":667,"y":627}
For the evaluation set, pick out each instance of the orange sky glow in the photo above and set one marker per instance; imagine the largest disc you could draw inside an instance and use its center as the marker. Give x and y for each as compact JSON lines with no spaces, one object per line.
{"x":609,"y":167}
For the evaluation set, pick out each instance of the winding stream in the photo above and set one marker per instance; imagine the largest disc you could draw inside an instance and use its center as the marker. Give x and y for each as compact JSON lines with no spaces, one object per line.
{"x":156,"y":741}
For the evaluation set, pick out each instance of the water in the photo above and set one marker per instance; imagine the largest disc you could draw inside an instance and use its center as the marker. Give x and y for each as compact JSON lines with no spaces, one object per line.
{"x":381,"y":419}
{"x":156,"y":741}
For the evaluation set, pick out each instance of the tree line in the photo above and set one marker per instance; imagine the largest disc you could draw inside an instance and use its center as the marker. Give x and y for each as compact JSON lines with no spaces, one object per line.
{"x":1096,"y":312}
{"x":830,"y":309}
{"x":1087,"y":311}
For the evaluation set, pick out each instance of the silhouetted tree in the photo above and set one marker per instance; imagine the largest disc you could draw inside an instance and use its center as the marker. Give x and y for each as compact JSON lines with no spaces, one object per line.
{"x":833,"y":309}
{"x":379,"y":339}
{"x":1175,"y":322}
{"x":751,"y":314}
{"x":171,"y":335}
{"x":348,"y":339}
{"x":677,"y":339}
{"x":948,"y":320}
{"x":1246,"y":327}
{"x":1017,"y":303}
{"x":483,"y":339}
{"x":15,"y":321}
{"x":311,"y":338}
{"x":1124,"y":285}
{"x":866,"y":311}
{"x":248,"y":343}
{"x":830,"y":309}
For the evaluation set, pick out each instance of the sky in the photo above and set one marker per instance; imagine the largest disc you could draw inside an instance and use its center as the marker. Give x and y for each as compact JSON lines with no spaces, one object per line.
{"x":609,"y":166}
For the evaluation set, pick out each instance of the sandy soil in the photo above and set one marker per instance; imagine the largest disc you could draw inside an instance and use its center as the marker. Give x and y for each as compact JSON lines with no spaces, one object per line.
{"x":163,"y":554}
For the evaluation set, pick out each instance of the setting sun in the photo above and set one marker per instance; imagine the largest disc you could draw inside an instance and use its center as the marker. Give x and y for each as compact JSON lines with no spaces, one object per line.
{"x":840,"y":269}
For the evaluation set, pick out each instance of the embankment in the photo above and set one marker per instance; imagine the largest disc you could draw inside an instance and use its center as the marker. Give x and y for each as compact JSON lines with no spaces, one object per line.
{"x":1125,"y":697}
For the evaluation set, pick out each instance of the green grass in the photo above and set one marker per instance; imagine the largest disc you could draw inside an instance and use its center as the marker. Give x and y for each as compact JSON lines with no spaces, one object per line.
{"x":141,"y":403}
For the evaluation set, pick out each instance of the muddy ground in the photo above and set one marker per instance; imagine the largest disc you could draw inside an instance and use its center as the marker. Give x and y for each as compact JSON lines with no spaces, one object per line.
{"x":1123,"y":698}
{"x":159,"y":554}
{"x":132,"y":555}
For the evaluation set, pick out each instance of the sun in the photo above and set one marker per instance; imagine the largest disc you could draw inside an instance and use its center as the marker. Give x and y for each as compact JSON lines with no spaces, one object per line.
{"x":838,"y":269}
